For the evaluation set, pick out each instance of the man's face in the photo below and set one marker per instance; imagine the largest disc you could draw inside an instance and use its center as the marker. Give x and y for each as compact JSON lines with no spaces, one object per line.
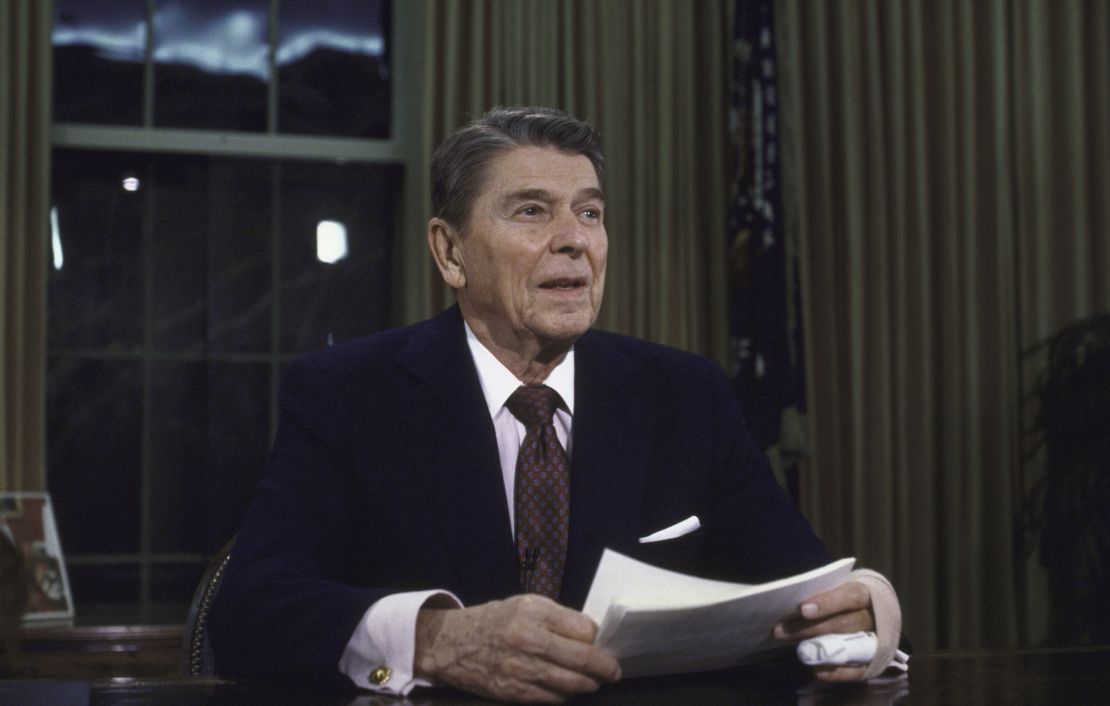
{"x":533,"y":251}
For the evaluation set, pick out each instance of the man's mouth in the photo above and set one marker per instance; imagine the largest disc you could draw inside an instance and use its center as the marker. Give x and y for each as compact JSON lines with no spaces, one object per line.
{"x":564,"y":283}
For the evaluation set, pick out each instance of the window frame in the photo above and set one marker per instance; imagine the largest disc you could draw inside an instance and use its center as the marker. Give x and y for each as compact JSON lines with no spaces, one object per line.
{"x":401,"y":148}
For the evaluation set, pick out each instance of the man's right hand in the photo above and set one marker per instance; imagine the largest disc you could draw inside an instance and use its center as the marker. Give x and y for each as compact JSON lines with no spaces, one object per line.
{"x":525,"y":648}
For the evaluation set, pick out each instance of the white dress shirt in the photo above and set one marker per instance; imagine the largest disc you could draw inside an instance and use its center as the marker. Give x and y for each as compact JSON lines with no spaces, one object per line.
{"x":386,"y":634}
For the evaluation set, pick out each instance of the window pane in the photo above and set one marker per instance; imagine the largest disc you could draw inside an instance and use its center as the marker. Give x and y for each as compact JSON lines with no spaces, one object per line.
{"x":96,"y":282}
{"x":336,"y":225}
{"x":172,"y":587}
{"x":105,"y":593}
{"x":99,"y":57}
{"x":211,"y":64}
{"x":94,"y":423}
{"x":240,"y":255}
{"x":232,"y":263}
{"x":179,"y":250}
{"x":212,"y":257}
{"x":211,"y":223}
{"x":208,"y":447}
{"x":333,"y":67}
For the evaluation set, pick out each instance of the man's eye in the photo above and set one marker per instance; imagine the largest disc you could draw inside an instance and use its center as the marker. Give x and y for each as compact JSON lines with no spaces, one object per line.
{"x":530,"y":211}
{"x":592,"y":213}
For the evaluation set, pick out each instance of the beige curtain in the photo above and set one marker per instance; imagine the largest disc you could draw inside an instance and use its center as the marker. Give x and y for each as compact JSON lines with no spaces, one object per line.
{"x":651,"y":76}
{"x":946,"y":178}
{"x":1062,"y":162}
{"x":1062,"y":165}
{"x":25,"y":68}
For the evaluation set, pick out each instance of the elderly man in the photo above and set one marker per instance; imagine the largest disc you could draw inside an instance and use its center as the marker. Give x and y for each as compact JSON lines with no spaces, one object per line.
{"x":438,"y":496}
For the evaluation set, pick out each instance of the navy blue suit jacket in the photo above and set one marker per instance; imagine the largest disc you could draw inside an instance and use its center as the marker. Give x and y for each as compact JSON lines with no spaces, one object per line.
{"x":385,"y":477}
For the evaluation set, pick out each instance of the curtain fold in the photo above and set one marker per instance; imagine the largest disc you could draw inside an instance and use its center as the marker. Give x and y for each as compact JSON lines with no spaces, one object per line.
{"x":945,"y":167}
{"x":1062,"y":161}
{"x":25,"y":81}
{"x":1063,"y":114}
{"x":650,"y":76}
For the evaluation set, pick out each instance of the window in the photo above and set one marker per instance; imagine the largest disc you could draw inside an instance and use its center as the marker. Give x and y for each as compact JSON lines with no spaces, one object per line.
{"x":221,"y":203}
{"x":318,"y":67}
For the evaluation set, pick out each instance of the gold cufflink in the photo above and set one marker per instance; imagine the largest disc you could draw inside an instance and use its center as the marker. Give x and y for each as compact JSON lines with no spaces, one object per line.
{"x":380,"y":676}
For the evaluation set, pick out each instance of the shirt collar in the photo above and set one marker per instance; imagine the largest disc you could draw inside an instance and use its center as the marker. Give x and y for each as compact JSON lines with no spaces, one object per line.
{"x":498,"y":383}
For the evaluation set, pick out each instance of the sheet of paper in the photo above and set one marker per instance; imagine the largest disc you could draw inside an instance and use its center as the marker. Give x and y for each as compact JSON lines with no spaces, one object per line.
{"x":662,"y":622}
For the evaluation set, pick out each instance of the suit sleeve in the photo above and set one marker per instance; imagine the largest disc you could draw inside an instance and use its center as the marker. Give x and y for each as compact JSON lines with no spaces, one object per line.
{"x":283,"y":609}
{"x":754,"y":531}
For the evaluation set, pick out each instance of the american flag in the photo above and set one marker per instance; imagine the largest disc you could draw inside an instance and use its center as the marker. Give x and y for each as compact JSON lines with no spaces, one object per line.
{"x":765,"y":313}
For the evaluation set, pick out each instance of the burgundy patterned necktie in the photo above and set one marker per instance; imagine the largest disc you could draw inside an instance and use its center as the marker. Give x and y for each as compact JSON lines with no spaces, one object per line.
{"x":542,"y":492}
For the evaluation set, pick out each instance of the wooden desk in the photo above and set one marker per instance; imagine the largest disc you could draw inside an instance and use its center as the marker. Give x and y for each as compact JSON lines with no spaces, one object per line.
{"x":1078,"y":676}
{"x":101,"y":652}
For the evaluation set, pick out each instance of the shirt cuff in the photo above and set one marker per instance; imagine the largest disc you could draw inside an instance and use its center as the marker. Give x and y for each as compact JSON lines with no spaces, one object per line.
{"x":380,"y":653}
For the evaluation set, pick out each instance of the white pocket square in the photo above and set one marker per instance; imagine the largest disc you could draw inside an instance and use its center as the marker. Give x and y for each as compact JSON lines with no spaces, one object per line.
{"x":675,"y":531}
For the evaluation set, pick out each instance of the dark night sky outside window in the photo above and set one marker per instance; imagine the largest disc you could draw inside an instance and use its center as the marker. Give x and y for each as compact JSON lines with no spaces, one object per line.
{"x":173,"y":310}
{"x":211,"y":64}
{"x":333,"y":68}
{"x":99,"y":54}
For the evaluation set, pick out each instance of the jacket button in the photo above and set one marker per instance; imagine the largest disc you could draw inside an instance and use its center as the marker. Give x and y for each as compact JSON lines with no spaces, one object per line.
{"x":380,"y":676}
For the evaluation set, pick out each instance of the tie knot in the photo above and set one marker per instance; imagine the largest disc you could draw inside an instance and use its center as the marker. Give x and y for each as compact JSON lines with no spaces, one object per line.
{"x":533,"y":405}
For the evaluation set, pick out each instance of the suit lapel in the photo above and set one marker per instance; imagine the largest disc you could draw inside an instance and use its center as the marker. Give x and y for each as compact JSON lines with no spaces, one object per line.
{"x":608,"y":462}
{"x":455,"y":453}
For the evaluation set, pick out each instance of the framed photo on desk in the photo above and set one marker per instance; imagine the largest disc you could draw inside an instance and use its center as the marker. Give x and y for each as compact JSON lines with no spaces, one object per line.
{"x":27,"y":518}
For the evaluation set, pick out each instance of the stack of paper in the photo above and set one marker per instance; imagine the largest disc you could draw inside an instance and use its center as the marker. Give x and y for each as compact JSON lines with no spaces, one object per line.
{"x":662,"y":622}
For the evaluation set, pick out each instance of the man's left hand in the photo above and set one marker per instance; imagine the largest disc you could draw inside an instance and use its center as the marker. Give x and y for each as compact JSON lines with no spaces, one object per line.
{"x":844,"y":609}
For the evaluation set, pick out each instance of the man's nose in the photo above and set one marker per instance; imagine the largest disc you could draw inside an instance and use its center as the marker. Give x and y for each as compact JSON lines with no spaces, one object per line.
{"x":570,"y":236}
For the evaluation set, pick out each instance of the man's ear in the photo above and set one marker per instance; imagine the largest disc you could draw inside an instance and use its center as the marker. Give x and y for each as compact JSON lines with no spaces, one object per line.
{"x":443,"y":241}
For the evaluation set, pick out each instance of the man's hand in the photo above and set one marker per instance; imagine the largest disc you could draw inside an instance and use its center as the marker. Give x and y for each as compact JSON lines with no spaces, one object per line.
{"x":844,"y":609}
{"x":525,"y":648}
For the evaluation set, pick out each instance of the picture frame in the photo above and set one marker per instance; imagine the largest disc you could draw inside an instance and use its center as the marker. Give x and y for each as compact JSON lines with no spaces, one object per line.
{"x":27,"y":518}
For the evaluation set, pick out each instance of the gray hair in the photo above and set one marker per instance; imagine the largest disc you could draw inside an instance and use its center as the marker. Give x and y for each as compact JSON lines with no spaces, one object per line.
{"x":460,"y":163}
